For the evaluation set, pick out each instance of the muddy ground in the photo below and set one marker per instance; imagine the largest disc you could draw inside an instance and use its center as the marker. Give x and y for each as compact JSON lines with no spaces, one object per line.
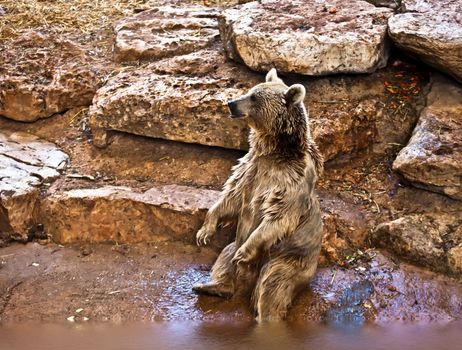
{"x":152,"y":281}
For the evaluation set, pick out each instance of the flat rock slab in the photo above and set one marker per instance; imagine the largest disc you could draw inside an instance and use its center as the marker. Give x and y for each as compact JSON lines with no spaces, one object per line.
{"x":26,"y":162}
{"x":121,"y":215}
{"x":164,"y":32}
{"x":150,"y":101}
{"x":41,"y":75}
{"x":307,"y":37}
{"x":432,"y":31}
{"x":433,"y":157}
{"x":433,"y":240}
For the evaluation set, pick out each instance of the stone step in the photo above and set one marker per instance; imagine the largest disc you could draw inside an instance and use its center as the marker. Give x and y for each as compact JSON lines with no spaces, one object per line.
{"x":173,"y":213}
{"x":122,"y":215}
{"x":165,"y":31}
{"x":188,"y":108}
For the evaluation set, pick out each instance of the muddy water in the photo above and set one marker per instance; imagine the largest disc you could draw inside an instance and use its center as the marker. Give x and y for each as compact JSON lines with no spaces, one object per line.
{"x":204,"y":336}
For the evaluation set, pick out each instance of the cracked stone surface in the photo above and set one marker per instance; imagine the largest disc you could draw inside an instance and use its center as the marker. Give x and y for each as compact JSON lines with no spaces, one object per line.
{"x":165,"y":31}
{"x":433,"y":157}
{"x":26,"y":162}
{"x":169,"y":99}
{"x":307,"y":37}
{"x":41,"y":75}
{"x":433,"y":239}
{"x":432,"y":31}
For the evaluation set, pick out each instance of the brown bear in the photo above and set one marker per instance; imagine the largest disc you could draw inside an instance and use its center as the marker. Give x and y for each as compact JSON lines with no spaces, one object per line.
{"x":271,"y":194}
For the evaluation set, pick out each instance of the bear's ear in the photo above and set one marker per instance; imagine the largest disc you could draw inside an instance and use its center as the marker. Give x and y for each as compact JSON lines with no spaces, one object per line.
{"x":295,"y":94}
{"x":272,"y":76}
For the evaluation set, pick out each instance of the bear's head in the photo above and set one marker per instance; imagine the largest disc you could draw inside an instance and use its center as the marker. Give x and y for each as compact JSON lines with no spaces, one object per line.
{"x":272,"y":107}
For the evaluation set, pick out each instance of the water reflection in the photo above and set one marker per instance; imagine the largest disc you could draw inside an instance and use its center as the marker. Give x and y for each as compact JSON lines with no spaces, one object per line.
{"x":245,"y":335}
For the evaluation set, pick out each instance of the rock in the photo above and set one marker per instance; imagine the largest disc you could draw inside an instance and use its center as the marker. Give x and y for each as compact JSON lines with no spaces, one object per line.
{"x":307,"y":37}
{"x":121,"y":215}
{"x":433,"y":157}
{"x":165,"y":32}
{"x":26,"y":162}
{"x":151,"y":102}
{"x":41,"y":75}
{"x":432,"y":31}
{"x":425,"y":239}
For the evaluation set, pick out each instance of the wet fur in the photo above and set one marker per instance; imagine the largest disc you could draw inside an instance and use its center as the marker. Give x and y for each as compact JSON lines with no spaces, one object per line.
{"x":271,"y":193}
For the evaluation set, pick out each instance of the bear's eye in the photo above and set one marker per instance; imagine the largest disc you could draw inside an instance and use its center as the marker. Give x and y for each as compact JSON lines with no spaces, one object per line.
{"x":253,"y":98}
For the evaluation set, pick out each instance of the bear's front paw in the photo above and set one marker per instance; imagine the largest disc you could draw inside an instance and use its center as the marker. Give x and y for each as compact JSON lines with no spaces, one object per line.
{"x":203,"y":236}
{"x":242,"y":256}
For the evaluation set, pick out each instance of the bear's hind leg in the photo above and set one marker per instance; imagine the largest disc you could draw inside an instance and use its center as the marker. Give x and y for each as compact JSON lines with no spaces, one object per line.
{"x":223,"y":271}
{"x":279,"y":282}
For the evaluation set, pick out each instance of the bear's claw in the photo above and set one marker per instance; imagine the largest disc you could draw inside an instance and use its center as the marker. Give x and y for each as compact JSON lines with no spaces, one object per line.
{"x":203,"y":237}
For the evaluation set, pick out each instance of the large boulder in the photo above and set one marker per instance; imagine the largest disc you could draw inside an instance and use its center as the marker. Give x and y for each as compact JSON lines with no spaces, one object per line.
{"x":41,"y":75}
{"x":25,"y":164}
{"x":433,"y":239}
{"x":307,"y":37}
{"x":432,"y":31}
{"x":433,"y":157}
{"x":165,"y":31}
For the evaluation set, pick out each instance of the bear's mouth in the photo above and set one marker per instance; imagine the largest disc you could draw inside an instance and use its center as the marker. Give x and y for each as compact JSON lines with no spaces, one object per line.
{"x":236,"y":115}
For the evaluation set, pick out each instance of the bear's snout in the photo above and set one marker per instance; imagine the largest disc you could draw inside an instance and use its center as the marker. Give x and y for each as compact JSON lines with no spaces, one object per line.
{"x":233,"y":108}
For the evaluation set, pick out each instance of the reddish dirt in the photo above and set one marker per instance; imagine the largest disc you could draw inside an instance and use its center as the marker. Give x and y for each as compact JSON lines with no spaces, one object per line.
{"x":153,"y":282}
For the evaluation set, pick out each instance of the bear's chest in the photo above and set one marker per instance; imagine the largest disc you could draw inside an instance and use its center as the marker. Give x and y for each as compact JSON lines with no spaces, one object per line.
{"x":256,"y":188}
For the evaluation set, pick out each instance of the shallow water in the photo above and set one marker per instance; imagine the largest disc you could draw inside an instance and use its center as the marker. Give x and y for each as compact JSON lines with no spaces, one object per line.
{"x":200,"y":335}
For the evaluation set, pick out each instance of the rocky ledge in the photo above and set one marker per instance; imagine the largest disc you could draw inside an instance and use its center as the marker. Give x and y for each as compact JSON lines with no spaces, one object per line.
{"x":307,"y":37}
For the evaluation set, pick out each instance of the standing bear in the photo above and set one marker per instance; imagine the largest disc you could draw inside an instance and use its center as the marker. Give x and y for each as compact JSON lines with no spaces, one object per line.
{"x":271,"y":194}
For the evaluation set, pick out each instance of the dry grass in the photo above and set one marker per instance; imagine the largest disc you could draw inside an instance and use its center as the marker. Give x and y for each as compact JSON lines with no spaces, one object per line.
{"x":62,"y":16}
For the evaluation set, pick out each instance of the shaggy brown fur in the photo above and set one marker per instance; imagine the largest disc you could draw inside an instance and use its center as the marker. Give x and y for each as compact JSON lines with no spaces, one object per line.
{"x":271,"y":193}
